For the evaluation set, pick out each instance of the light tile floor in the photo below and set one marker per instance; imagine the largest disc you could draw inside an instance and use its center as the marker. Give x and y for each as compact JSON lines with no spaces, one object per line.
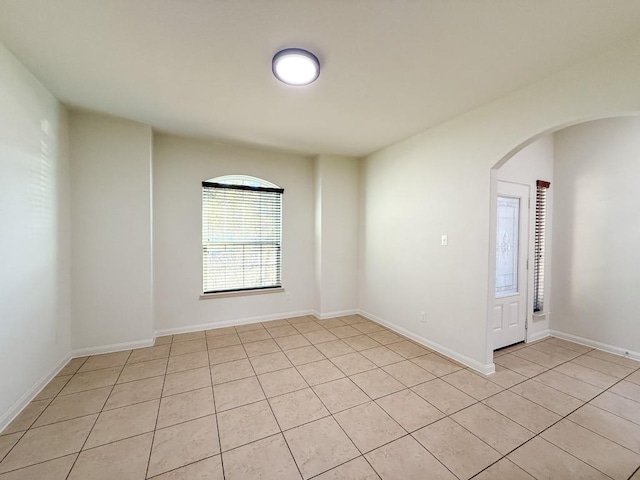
{"x":334,"y":399}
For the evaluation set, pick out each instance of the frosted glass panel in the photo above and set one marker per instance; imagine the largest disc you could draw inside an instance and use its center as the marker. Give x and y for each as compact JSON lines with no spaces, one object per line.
{"x":507,"y":246}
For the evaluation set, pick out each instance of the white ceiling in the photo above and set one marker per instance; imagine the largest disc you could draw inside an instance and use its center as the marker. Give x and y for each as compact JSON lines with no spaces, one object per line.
{"x":390,"y":68}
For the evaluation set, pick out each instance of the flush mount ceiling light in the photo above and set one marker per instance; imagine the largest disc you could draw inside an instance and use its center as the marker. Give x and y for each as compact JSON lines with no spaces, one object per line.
{"x":295,"y":66}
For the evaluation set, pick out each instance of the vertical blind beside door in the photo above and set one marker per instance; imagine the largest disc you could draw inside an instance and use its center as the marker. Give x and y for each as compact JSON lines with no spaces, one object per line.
{"x":539,"y":248}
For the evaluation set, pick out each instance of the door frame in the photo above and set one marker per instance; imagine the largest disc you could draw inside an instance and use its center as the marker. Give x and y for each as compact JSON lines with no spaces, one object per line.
{"x":525,"y":216}
{"x":495,"y":177}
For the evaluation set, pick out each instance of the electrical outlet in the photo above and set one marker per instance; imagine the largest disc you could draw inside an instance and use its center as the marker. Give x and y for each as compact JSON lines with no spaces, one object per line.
{"x":444,"y":241}
{"x":423,"y":317}
{"x":287,"y":296}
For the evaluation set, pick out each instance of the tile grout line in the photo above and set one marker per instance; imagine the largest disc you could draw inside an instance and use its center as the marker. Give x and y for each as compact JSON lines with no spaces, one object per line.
{"x":24,"y":432}
{"x":51,"y":399}
{"x":556,"y":422}
{"x":329,"y":412}
{"x":332,"y":415}
{"x":509,"y":389}
{"x":295,"y":462}
{"x":215,"y":409}
{"x":155,"y":427}
{"x":97,"y":416}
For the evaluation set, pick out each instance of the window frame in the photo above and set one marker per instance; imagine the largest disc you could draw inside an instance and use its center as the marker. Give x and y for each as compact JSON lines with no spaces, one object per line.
{"x":248,"y":184}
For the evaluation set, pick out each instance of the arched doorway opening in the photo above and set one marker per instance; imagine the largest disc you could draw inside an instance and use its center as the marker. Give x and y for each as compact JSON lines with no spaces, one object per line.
{"x":597,"y":172}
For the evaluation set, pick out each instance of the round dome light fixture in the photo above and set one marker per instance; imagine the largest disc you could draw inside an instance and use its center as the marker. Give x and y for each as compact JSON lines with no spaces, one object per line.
{"x":295,"y":66}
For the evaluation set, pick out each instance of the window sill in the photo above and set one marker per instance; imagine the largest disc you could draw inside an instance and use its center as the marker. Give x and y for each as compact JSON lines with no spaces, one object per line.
{"x":540,"y":316}
{"x":243,"y":293}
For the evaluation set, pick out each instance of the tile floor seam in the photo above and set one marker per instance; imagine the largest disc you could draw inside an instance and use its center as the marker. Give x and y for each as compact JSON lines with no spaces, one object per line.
{"x":453,"y":386}
{"x":36,"y":419}
{"x":476,"y":436}
{"x":344,"y":463}
{"x":301,"y":424}
{"x":101,"y":368}
{"x":406,"y":432}
{"x":31,"y":425}
{"x":40,"y":463}
{"x":215,"y":410}
{"x":419,"y":428}
{"x":565,"y":417}
{"x":556,"y":422}
{"x":332,"y":415}
{"x":569,"y":361}
{"x":273,"y":413}
{"x":545,"y":341}
{"x":541,"y":365}
{"x":540,"y":405}
{"x":434,"y":456}
{"x":60,"y":421}
{"x":598,"y":434}
{"x":89,"y":389}
{"x":97,"y":416}
{"x":502,"y":455}
{"x":22,"y":433}
{"x":569,"y":453}
{"x":553,"y":388}
{"x":612,"y":413}
{"x":586,"y":354}
{"x":608,"y":361}
{"x":190,"y":389}
{"x":155,"y":427}
{"x":66,"y":383}
{"x":537,"y":375}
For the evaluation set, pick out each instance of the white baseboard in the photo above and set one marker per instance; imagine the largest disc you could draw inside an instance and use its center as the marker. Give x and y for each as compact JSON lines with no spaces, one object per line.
{"x":7,"y":417}
{"x":339,"y":313}
{"x":534,"y":337}
{"x":487,"y":369}
{"x":232,"y":323}
{"x":116,"y":347}
{"x":623,"y":352}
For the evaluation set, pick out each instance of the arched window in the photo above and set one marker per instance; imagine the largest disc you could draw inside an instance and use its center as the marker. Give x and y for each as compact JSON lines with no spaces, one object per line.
{"x":241,"y":234}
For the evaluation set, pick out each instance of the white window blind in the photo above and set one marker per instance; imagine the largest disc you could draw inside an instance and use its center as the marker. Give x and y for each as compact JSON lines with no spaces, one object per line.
{"x":241,"y":237}
{"x":539,"y":248}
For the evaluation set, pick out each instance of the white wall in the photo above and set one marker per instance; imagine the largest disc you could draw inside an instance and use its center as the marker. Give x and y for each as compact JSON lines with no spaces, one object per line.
{"x":596,"y":254}
{"x":180,"y":166}
{"x":337,"y":194}
{"x":532,"y":163}
{"x":438,"y":182}
{"x":111,"y":240}
{"x":34,"y":238}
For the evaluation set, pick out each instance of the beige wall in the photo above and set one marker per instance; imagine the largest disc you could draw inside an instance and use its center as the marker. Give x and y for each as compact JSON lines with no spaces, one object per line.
{"x":337,"y":191}
{"x":439,"y":182}
{"x":111,"y":240}
{"x":34,"y":237}
{"x":596,"y":254}
{"x":180,"y":166}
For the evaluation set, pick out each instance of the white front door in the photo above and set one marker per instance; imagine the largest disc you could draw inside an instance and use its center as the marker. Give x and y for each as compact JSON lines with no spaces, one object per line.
{"x":512,"y":250}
